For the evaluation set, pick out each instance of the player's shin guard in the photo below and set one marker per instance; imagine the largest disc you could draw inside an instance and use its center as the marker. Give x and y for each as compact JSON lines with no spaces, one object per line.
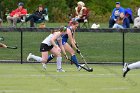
{"x":74,"y":59}
{"x":37,"y":58}
{"x":50,"y":57}
{"x":59,"y":60}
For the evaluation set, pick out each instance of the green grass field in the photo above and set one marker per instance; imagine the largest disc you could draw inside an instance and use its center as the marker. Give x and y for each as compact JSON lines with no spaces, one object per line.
{"x":30,"y":78}
{"x":96,"y":47}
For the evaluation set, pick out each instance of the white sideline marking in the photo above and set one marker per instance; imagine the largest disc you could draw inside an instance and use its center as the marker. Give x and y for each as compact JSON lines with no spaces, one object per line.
{"x":92,"y":75}
{"x":7,"y":91}
{"x":116,"y":88}
{"x":55,"y":89}
{"x":55,"y":75}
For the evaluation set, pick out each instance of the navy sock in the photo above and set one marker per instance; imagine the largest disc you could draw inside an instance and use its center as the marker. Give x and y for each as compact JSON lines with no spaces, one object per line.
{"x":74,"y":59}
{"x":50,"y":57}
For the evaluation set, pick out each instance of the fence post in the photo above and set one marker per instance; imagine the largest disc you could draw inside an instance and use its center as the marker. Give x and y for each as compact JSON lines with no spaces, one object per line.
{"x":123,"y":47}
{"x":21,"y":46}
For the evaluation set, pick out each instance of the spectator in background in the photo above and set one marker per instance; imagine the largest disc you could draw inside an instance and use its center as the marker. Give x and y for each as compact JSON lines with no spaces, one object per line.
{"x":80,"y":11}
{"x":115,"y":14}
{"x":129,"y":15}
{"x":137,"y":20}
{"x":0,"y":22}
{"x":17,"y":14}
{"x":38,"y":15}
{"x":122,"y":22}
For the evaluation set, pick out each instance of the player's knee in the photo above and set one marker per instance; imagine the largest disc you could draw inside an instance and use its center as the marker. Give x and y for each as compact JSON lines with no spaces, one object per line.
{"x":44,"y":60}
{"x":72,"y":52}
{"x":58,"y":54}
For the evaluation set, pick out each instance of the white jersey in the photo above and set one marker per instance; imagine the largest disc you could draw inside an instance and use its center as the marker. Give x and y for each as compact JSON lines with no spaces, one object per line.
{"x":139,"y":12}
{"x":48,"y":39}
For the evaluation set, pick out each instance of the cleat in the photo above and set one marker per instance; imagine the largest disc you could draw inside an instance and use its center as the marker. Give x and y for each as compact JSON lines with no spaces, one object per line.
{"x":60,"y":70}
{"x":80,"y":67}
{"x":125,"y":69}
{"x":29,"y":57}
{"x":85,"y":20}
{"x":44,"y":66}
{"x":22,"y":21}
{"x":1,"y":38}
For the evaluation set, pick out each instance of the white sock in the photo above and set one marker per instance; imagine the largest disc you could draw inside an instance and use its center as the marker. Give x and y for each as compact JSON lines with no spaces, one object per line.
{"x":37,"y":58}
{"x":134,"y":65}
{"x":59,"y":60}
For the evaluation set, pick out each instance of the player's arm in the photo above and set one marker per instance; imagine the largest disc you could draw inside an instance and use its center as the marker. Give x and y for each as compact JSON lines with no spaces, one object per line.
{"x":3,"y":45}
{"x":53,"y":39}
{"x":62,"y":48}
{"x":72,"y":41}
{"x":74,"y":37}
{"x":75,"y":40}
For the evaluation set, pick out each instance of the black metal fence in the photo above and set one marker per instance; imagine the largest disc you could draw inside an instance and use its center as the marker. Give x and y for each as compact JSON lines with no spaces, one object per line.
{"x":122,"y":37}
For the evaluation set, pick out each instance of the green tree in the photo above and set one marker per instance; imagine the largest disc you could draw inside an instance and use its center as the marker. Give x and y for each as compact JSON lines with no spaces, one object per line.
{"x":58,"y":10}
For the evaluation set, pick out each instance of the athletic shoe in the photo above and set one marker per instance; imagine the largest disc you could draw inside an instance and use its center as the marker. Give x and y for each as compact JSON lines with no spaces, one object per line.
{"x":80,"y":67}
{"x":125,"y":69}
{"x":85,"y":20}
{"x":1,"y":38}
{"x":29,"y":56}
{"x":60,"y":70}
{"x":44,"y":66}
{"x":22,"y":21}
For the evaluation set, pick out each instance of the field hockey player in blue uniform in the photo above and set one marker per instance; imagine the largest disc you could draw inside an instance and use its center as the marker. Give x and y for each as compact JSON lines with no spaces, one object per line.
{"x":69,"y":34}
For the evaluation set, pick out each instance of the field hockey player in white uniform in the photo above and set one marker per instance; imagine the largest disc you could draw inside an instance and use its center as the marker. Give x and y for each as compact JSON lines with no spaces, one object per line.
{"x":49,"y":45}
{"x":127,"y":67}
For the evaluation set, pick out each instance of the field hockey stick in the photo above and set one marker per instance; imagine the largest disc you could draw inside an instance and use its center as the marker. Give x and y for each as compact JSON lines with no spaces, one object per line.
{"x":5,"y":46}
{"x":68,"y":59}
{"x":84,"y":60}
{"x":87,"y":69}
{"x":1,"y":38}
{"x":90,"y":69}
{"x":11,"y":47}
{"x":78,"y":51}
{"x":76,"y":45}
{"x":71,"y":62}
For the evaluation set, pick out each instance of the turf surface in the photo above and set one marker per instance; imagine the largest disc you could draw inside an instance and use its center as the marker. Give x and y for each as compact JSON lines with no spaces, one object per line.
{"x":30,"y":78}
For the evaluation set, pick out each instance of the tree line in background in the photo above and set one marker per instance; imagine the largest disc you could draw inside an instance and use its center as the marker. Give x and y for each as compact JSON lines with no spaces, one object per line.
{"x":59,"y":10}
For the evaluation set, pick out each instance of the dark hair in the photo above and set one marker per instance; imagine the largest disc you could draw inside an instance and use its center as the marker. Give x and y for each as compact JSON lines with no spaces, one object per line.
{"x":52,"y":31}
{"x":40,"y":5}
{"x":20,"y":4}
{"x":63,"y":29}
{"x":74,"y":22}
